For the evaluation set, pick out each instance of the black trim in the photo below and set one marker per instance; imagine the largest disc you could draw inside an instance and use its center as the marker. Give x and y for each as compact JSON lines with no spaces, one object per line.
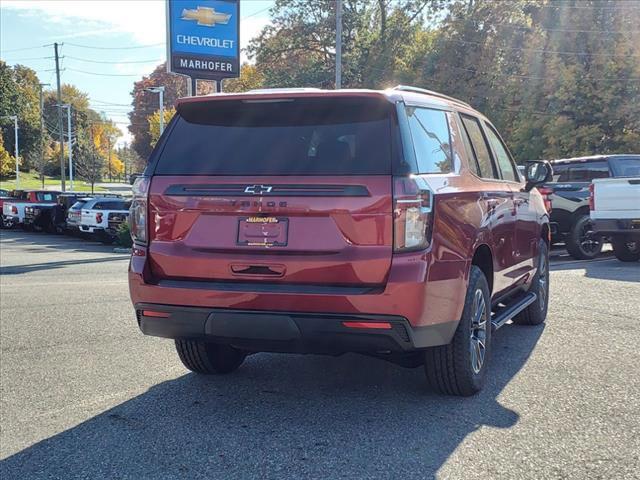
{"x":238,"y":190}
{"x":293,"y":332}
{"x":263,"y":287}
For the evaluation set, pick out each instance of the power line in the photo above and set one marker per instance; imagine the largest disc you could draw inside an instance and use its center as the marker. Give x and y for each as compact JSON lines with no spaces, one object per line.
{"x":109,"y":103}
{"x":112,"y":62}
{"x":27,"y":59}
{"x":133,"y":47}
{"x":104,"y":74}
{"x":255,"y":13}
{"x":563,"y":30}
{"x":27,"y":48}
{"x":533,"y":77}
{"x":558,"y":52}
{"x":556,"y":4}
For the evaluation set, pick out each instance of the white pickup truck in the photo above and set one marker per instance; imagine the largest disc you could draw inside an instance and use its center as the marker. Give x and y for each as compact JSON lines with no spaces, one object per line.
{"x":615,"y":208}
{"x":13,"y":209}
{"x":102,"y":216}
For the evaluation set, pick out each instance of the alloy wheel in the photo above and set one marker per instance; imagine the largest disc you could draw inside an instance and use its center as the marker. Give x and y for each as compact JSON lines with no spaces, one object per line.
{"x":478,"y":336}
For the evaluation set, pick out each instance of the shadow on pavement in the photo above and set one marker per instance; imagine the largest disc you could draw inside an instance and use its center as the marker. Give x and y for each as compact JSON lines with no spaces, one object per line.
{"x":38,"y":242}
{"x":603,"y":269}
{"x":283,"y":416}
{"x":35,"y":267}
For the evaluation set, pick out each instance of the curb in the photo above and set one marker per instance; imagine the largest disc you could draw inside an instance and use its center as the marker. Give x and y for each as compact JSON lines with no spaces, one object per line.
{"x":121,"y":250}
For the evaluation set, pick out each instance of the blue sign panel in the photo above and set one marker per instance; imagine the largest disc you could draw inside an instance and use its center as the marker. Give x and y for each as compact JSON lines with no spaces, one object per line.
{"x":203,"y":38}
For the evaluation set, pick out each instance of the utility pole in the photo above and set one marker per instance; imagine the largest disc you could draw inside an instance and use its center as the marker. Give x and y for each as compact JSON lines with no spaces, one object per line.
{"x":42,"y":134}
{"x":62,"y":173}
{"x":109,"y":144}
{"x":68,"y":107}
{"x":338,"y":44}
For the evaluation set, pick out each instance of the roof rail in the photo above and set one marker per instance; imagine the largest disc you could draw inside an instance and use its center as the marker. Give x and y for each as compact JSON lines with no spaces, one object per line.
{"x":408,"y":88}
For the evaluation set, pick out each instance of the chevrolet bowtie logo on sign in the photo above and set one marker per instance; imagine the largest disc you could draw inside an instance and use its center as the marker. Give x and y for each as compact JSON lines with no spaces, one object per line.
{"x":205,"y":16}
{"x":258,"y":189}
{"x":203,"y":38}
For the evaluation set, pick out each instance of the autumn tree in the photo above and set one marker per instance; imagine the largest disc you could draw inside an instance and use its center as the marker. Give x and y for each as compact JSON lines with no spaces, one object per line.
{"x":145,"y":103}
{"x":7,"y":162}
{"x":154,"y":124}
{"x":250,"y":79}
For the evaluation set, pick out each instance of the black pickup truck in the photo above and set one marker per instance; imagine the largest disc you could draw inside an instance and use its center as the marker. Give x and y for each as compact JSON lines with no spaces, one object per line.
{"x":569,"y":197}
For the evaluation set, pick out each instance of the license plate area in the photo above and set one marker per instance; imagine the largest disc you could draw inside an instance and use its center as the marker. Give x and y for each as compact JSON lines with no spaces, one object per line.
{"x":263,"y":231}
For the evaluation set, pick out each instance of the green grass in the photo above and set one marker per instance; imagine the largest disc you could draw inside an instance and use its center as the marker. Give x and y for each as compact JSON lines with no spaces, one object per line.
{"x":31,"y":181}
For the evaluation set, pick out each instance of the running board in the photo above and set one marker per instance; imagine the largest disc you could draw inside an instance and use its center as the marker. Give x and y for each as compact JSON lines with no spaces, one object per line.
{"x":505,"y":314}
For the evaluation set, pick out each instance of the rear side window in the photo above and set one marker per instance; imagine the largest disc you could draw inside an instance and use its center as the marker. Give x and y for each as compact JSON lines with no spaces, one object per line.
{"x":625,"y":167}
{"x":328,"y":136}
{"x":46,"y":197}
{"x":505,"y":164}
{"x":431,"y":139}
{"x":479,"y":145}
{"x":584,"y":172}
{"x":110,"y":206}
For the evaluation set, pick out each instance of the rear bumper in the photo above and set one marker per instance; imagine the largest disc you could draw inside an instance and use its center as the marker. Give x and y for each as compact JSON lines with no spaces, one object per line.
{"x":426,"y":295}
{"x":613,"y":226}
{"x":292,"y":332}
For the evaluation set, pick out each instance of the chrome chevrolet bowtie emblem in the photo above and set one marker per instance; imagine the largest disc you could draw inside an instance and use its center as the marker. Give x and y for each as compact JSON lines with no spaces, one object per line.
{"x":258,"y":189}
{"x":205,"y":16}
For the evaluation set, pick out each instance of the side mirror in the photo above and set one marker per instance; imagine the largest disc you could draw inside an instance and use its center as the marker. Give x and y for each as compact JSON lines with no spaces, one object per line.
{"x":537,"y":173}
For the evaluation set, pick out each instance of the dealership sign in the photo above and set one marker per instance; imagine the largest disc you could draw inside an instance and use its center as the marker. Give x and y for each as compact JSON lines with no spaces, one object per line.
{"x":203,"y":39}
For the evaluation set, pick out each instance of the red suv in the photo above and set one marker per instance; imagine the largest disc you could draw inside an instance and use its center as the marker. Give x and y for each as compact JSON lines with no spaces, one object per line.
{"x":391,"y":223}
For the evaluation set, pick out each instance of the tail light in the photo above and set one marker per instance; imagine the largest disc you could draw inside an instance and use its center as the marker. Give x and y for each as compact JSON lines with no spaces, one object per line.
{"x":412,"y":214}
{"x":546,"y":197}
{"x":592,"y":197}
{"x":99,"y":217}
{"x":14,"y":209}
{"x":138,"y":210}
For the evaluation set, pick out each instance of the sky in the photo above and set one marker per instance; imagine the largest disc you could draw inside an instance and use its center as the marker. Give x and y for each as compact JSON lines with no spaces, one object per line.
{"x":97,"y":37}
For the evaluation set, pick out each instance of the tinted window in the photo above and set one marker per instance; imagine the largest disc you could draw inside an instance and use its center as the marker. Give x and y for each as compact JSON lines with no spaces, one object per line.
{"x":584,"y":171}
{"x":290,"y":137}
{"x":431,"y":139}
{"x":625,"y":167}
{"x":46,"y":197}
{"x":479,"y":145}
{"x":504,"y":160}
{"x":110,"y":206}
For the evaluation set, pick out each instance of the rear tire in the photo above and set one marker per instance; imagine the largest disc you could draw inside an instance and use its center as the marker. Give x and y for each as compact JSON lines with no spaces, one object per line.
{"x":209,"y":358}
{"x":536,"y":313}
{"x":459,"y":368}
{"x":579,"y":245}
{"x":626,"y":249}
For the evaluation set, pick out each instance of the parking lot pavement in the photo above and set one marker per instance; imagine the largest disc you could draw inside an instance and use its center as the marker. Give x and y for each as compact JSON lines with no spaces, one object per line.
{"x":85,"y":395}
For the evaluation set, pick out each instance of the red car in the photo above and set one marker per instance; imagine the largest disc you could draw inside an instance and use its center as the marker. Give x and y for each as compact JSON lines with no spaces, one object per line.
{"x":391,"y":223}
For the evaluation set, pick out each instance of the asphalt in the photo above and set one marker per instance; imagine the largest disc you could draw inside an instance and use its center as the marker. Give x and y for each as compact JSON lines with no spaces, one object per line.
{"x":85,"y":395}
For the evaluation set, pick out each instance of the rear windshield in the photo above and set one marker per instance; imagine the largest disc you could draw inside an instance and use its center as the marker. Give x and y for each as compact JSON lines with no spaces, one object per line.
{"x":78,"y":205}
{"x":329,"y":136}
{"x":625,"y":167}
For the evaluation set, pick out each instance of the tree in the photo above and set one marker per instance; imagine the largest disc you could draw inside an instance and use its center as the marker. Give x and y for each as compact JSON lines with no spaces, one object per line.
{"x":250,"y":79}
{"x":145,"y":103}
{"x":154,"y":124}
{"x":19,"y":95}
{"x":297,"y":49}
{"x":7,"y":162}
